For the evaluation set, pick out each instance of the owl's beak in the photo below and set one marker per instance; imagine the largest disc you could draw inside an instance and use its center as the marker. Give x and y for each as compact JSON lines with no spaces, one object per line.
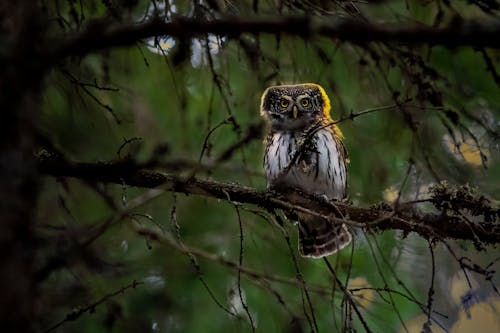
{"x":295,"y":112}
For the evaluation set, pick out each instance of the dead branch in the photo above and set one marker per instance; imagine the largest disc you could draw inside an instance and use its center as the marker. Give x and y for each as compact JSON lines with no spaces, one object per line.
{"x":102,"y":35}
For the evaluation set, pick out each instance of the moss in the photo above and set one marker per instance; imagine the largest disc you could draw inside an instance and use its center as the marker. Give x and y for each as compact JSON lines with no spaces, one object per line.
{"x":460,"y":199}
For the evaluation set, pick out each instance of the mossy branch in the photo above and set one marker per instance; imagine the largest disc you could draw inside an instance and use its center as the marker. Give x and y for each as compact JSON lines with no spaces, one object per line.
{"x":460,"y":212}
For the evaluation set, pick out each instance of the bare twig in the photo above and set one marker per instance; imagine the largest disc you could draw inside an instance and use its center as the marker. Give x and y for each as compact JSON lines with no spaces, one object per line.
{"x":75,"y":314}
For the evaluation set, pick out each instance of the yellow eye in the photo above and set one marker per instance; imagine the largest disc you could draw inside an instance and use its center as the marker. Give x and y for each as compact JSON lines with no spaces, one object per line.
{"x":284,"y":103}
{"x":305,"y":102}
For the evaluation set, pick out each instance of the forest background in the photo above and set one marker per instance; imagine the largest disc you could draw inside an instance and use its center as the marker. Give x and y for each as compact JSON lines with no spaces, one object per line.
{"x":133,"y":195}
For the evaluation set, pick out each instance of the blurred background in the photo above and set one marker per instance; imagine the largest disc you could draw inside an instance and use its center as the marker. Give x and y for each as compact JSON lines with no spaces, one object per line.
{"x":412,"y":116}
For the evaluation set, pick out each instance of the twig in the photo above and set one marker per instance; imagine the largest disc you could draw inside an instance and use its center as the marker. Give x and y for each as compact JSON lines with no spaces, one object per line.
{"x":240,"y":263}
{"x":75,"y":314}
{"x":348,"y":296}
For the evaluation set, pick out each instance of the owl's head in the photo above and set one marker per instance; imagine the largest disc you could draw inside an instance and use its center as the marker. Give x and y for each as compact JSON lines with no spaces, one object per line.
{"x":294,"y":107}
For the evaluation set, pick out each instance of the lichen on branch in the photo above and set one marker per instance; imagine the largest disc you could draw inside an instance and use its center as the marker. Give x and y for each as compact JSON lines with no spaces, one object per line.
{"x":453,"y":204}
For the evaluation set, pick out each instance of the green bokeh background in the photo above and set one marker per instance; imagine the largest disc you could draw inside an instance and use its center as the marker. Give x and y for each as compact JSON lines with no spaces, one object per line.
{"x":162,"y":103}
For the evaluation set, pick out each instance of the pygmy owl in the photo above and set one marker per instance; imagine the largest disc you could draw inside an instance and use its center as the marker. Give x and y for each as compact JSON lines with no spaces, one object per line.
{"x":304,"y":150}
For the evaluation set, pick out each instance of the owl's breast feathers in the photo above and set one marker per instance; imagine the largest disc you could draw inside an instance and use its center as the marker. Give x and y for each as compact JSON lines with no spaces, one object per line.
{"x":313,"y":162}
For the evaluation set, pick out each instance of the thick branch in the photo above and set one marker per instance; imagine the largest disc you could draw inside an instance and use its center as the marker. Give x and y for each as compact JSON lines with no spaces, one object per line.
{"x":383,"y":217}
{"x":101,"y":35}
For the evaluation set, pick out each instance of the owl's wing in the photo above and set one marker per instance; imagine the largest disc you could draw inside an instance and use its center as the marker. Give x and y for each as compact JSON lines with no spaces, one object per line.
{"x":339,"y":138}
{"x":343,"y":151}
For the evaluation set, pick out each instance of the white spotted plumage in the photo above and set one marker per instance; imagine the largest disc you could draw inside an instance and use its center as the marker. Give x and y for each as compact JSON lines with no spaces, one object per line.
{"x":325,"y":176}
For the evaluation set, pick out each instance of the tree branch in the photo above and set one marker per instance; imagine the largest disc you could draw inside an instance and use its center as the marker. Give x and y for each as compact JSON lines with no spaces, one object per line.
{"x":77,"y":312}
{"x":447,"y":223}
{"x":102,"y":35}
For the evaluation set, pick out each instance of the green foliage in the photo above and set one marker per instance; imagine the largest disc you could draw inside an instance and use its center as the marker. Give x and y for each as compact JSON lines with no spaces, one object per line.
{"x":429,"y":92}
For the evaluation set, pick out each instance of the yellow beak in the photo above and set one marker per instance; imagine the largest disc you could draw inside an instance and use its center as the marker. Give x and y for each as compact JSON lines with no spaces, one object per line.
{"x":295,"y":112}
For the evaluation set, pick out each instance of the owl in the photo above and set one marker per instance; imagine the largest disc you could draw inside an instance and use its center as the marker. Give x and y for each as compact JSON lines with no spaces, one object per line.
{"x":304,"y":150}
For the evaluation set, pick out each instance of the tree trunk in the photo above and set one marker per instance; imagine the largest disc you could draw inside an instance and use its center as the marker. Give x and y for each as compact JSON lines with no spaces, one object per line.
{"x":20,"y":85}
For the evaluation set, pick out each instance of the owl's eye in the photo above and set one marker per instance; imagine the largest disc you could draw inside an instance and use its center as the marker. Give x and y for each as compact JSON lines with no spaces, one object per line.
{"x":305,"y":102}
{"x":284,"y":103}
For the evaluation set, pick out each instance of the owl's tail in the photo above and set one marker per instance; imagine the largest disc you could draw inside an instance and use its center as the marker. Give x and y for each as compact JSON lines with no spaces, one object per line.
{"x":320,"y":238}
